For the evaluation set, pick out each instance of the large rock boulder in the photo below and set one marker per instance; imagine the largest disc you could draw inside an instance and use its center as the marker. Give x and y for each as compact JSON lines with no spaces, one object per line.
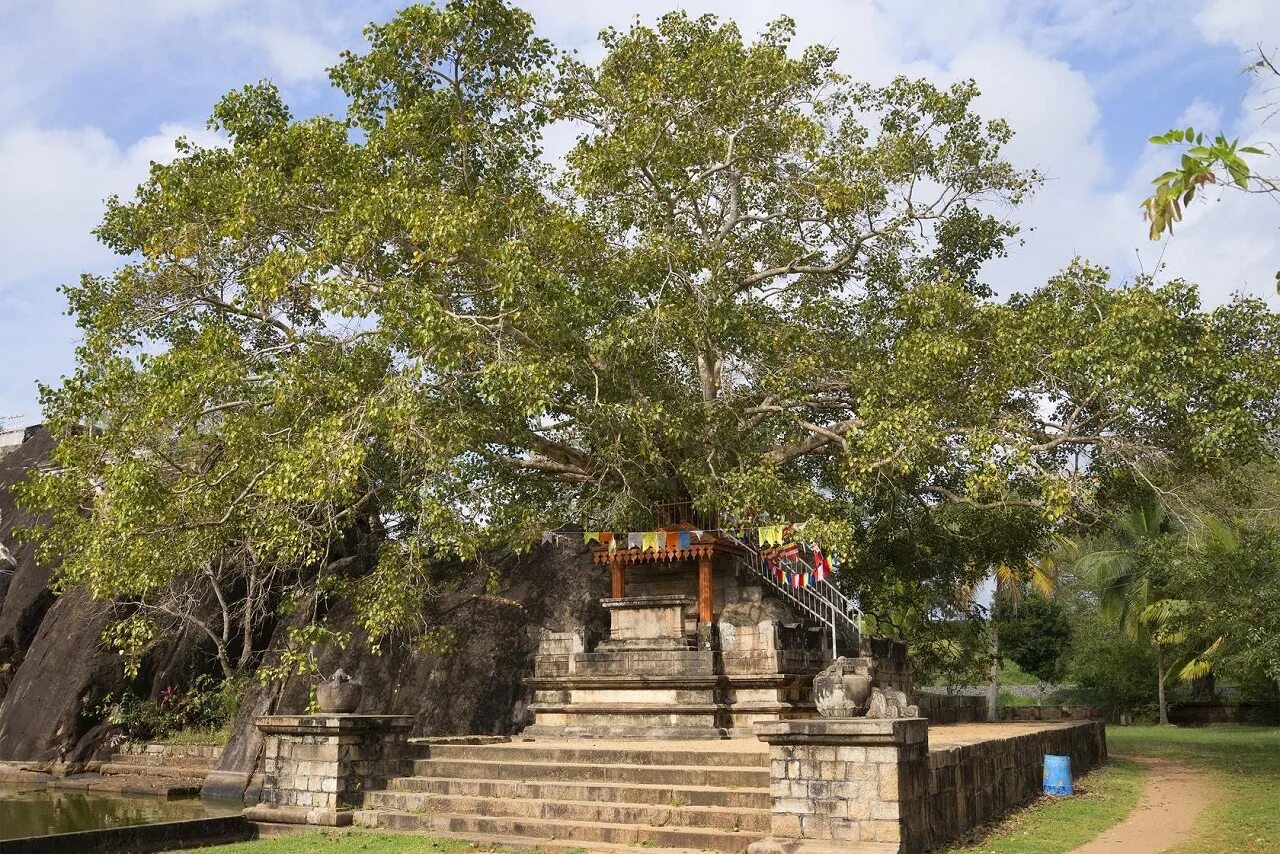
{"x":55,"y":672}
{"x":474,"y":685}
{"x":25,"y":596}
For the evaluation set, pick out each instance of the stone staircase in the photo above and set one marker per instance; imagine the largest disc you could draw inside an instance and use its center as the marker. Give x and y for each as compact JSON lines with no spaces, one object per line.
{"x":708,"y":796}
{"x":178,"y":761}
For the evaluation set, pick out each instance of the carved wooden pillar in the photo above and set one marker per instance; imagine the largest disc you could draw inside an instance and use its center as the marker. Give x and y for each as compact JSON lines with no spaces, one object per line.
{"x":619,"y":579}
{"x":704,"y":590}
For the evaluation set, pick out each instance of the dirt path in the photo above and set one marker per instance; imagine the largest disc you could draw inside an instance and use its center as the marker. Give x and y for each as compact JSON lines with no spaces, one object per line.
{"x":1170,"y":803}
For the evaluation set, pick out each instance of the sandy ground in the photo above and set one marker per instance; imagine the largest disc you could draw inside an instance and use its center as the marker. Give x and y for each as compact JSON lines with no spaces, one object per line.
{"x":1170,"y":803}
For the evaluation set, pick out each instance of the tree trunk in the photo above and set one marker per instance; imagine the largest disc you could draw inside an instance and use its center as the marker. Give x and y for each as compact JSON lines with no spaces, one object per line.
{"x":993,"y":684}
{"x":1164,"y":706}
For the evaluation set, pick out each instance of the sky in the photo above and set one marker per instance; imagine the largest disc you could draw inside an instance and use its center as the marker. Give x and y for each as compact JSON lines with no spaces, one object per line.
{"x":93,"y":91}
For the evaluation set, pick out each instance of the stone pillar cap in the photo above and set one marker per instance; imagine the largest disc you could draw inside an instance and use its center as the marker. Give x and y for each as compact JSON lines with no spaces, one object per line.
{"x":648,"y":601}
{"x":332,"y":723}
{"x":844,"y":731}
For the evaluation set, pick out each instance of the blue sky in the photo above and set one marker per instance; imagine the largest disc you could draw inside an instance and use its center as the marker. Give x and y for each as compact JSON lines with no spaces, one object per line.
{"x":92,"y":90}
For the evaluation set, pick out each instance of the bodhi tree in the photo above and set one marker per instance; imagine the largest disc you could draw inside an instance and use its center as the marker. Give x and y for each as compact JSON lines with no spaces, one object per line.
{"x":339,"y":349}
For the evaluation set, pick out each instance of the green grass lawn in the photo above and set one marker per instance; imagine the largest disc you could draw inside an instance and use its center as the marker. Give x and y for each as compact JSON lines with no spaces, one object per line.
{"x":1055,"y":825}
{"x":1245,"y":763}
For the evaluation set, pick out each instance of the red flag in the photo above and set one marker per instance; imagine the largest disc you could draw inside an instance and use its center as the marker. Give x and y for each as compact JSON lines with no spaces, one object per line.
{"x":820,"y":565}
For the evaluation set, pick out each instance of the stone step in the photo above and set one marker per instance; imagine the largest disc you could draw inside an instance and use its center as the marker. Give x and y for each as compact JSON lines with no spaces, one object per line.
{"x":633,"y":793}
{"x":513,"y":769}
{"x":541,"y":829}
{"x":561,"y":753}
{"x":573,"y":812}
{"x":208,"y":749}
{"x":163,"y":760}
{"x":133,"y":769}
{"x":551,"y":846}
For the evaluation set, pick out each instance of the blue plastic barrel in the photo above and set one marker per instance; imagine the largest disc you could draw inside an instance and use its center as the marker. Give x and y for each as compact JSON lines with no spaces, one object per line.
{"x":1057,"y":775}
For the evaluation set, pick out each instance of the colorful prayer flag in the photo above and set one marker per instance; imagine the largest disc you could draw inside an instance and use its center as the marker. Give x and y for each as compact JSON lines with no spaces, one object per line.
{"x":635,"y":540}
{"x":649,"y":540}
{"x":673,"y":539}
{"x":820,"y":566}
{"x":590,"y":537}
{"x":685,"y":540}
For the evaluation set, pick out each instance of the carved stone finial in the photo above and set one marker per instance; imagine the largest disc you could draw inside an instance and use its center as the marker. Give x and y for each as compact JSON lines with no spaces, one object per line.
{"x":843,"y":689}
{"x":890,"y":703}
{"x":339,"y":694}
{"x":847,"y":689}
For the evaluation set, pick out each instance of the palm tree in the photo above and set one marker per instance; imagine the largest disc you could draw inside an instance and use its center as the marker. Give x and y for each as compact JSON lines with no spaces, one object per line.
{"x":1127,"y":580}
{"x":1040,"y":572}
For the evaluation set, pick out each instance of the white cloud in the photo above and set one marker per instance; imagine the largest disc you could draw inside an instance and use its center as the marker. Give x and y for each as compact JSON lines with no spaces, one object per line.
{"x":1025,"y":55}
{"x":52,"y":186}
{"x":54,"y":183}
{"x":297,"y":57}
{"x":1243,"y":23}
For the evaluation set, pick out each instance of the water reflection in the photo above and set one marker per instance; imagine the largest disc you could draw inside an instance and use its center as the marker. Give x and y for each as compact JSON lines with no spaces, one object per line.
{"x":29,"y":811}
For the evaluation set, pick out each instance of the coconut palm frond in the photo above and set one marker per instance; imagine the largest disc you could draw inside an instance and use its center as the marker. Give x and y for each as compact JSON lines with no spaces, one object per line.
{"x":1201,"y":665}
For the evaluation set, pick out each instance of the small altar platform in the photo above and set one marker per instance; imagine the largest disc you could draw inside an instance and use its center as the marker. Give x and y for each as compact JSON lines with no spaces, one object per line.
{"x":697,"y":648}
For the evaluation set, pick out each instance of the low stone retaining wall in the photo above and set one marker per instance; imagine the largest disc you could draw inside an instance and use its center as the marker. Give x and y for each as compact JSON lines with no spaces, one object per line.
{"x":862,"y":785}
{"x":973,"y":784}
{"x":1052,"y":713}
{"x":945,"y":709}
{"x":139,"y":838}
{"x":1265,"y":714}
{"x":951,"y":708}
{"x":210,"y":752}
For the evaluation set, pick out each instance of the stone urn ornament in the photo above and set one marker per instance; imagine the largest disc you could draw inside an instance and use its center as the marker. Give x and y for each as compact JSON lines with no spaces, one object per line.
{"x":848,"y":689}
{"x":843,"y":690}
{"x":339,"y":694}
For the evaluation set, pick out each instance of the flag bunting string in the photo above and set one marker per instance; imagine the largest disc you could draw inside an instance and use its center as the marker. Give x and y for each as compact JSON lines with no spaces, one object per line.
{"x":777,"y":545}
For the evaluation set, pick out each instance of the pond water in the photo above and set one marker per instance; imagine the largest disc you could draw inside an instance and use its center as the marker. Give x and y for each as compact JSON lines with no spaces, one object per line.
{"x":32,"y":811}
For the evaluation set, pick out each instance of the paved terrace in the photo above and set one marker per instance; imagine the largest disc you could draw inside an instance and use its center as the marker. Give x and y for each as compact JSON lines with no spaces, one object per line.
{"x":943,"y":737}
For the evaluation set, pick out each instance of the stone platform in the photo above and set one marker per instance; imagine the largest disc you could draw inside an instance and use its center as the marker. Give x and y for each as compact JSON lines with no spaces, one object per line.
{"x":664,"y":672}
{"x":728,"y":794}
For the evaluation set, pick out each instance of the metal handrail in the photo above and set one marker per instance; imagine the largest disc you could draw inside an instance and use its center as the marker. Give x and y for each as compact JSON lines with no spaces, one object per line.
{"x":821,"y":600}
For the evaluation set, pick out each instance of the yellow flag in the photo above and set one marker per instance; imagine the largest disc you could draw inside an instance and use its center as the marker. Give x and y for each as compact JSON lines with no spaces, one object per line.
{"x":649,"y":540}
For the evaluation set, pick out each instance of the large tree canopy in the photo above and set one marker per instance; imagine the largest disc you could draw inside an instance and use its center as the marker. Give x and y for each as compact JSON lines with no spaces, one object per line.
{"x":751,"y":283}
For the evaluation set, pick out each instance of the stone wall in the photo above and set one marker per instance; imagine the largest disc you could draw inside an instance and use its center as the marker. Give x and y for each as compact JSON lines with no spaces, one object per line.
{"x":972,"y":784}
{"x":951,"y":708}
{"x":318,"y":767}
{"x":170,"y":751}
{"x":964,"y":708}
{"x":1051,"y":713}
{"x":893,"y":668}
{"x":860,"y":784}
{"x":1197,"y":714}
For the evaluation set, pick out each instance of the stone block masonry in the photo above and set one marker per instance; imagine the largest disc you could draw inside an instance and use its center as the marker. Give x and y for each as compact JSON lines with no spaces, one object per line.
{"x":316,"y":768}
{"x":865,"y":785}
